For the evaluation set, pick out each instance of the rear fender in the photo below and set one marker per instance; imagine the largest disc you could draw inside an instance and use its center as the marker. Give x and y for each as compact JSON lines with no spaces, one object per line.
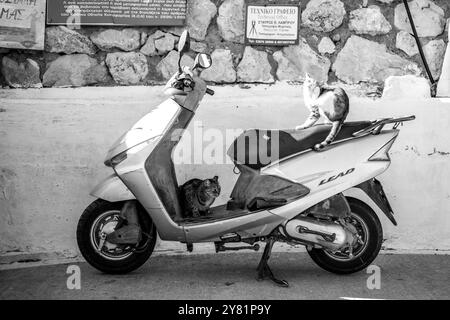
{"x":112,"y":189}
{"x":374,"y":190}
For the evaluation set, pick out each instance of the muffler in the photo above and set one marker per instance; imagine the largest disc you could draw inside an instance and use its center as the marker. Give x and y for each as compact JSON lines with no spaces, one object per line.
{"x":328,"y":235}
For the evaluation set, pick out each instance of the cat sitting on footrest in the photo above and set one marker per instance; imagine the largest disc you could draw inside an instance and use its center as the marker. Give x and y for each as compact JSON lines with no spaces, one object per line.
{"x":197,"y":196}
{"x":331,"y":103}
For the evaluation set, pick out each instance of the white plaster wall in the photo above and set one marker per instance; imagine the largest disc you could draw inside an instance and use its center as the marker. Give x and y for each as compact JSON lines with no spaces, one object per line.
{"x":53,"y":143}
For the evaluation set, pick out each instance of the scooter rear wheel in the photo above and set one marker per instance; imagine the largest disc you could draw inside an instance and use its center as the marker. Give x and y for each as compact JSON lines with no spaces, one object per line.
{"x":371,"y":232}
{"x":101,"y":215}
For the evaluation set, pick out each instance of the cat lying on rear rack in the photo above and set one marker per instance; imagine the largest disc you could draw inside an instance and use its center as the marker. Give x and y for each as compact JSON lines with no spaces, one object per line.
{"x":332,"y":103}
{"x":197,"y":196}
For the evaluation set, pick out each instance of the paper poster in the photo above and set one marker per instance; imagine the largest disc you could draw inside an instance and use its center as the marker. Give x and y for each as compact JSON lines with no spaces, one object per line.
{"x":272,"y":25}
{"x":22,"y":24}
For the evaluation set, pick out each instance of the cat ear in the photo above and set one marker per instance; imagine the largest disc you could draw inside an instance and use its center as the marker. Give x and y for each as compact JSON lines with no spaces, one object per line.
{"x":216,"y":178}
{"x":207,"y":183}
{"x":307,"y":75}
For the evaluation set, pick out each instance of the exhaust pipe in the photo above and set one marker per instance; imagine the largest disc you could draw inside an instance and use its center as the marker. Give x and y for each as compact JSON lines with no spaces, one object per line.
{"x":328,"y":235}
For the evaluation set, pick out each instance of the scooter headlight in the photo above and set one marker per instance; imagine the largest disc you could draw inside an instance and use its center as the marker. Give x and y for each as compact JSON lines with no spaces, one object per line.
{"x":114,"y":161}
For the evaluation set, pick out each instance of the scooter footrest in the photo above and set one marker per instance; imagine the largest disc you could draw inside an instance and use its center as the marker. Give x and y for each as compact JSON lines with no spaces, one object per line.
{"x":233,"y":205}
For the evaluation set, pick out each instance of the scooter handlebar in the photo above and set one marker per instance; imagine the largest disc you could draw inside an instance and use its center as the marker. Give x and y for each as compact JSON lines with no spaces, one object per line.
{"x":210,"y":91}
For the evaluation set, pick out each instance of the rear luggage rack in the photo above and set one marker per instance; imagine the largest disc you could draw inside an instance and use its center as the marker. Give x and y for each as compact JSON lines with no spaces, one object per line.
{"x":378,"y":125}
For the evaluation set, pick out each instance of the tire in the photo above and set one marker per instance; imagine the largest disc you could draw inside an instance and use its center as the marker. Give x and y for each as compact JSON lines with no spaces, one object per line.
{"x":129,"y":261}
{"x":368,"y":253}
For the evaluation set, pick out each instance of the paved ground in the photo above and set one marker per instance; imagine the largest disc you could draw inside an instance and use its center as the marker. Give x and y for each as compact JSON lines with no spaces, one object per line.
{"x":232,"y":276}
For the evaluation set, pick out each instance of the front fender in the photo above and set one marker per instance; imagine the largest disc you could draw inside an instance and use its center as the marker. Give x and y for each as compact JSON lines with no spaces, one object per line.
{"x":112,"y":189}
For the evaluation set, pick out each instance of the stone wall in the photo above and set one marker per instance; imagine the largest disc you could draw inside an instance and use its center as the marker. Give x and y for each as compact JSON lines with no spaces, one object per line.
{"x":351,"y":41}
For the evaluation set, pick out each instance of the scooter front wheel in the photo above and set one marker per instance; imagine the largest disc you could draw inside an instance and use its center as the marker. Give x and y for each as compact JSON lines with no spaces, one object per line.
{"x":370,"y":231}
{"x":101,"y":217}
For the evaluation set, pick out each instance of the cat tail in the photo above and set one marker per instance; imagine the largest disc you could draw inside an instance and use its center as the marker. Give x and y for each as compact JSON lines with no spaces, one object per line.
{"x":336,"y":127}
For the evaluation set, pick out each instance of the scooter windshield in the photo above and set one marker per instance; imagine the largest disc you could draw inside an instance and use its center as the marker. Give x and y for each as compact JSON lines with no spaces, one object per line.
{"x":152,"y":125}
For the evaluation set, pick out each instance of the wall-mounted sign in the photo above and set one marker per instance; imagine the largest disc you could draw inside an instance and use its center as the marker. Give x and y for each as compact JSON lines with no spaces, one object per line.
{"x":117,"y":12}
{"x":22,"y":24}
{"x":272,"y":25}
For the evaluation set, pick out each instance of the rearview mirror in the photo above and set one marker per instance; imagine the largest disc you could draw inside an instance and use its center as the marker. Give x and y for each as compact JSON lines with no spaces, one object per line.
{"x":202,"y":60}
{"x":184,"y":44}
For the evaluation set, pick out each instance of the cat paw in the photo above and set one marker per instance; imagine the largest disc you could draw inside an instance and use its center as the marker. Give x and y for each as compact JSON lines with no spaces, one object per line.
{"x":319,"y":147}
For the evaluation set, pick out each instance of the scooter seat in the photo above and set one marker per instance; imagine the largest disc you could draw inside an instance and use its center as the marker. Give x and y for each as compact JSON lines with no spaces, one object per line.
{"x":257,"y":148}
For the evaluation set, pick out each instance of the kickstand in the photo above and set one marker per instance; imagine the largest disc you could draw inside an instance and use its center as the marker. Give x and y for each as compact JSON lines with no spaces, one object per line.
{"x":264,"y":271}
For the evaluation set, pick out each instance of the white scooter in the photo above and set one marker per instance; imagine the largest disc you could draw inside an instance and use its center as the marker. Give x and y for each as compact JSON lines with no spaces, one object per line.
{"x":286,"y":192}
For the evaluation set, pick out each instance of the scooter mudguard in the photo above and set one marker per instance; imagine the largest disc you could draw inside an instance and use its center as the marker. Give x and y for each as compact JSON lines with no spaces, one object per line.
{"x":112,"y":189}
{"x":374,"y":190}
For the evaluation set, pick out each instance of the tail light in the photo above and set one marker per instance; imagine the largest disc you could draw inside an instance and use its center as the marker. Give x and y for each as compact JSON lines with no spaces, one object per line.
{"x":383,"y":153}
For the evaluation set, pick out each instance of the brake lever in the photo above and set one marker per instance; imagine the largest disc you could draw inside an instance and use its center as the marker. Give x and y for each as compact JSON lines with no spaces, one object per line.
{"x":183,"y":81}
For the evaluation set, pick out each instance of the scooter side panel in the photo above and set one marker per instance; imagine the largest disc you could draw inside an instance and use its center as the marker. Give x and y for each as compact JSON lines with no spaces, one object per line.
{"x":133,"y":173}
{"x":306,"y":168}
{"x":112,"y":189}
{"x":253,"y":225}
{"x":342,"y":166}
{"x":293,"y":209}
{"x":153,"y":124}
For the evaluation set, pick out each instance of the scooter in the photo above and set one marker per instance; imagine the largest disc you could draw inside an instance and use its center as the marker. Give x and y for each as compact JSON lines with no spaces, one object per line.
{"x":286,"y":191}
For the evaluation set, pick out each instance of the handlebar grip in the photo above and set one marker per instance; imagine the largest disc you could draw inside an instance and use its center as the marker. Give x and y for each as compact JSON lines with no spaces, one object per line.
{"x":210,"y":91}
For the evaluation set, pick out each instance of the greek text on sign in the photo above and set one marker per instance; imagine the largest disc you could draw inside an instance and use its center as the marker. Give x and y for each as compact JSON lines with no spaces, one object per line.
{"x":117,"y":12}
{"x":272,"y":25}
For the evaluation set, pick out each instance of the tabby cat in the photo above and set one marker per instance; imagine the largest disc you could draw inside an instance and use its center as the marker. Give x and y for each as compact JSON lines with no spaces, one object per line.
{"x":198,"y":195}
{"x":329,"y":102}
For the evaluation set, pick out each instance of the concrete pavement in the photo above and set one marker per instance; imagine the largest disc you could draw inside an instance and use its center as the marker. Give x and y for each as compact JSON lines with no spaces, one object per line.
{"x":232,"y":276}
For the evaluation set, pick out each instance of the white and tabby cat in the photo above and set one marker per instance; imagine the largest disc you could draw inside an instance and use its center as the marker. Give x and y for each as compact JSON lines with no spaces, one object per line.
{"x":198,"y":195}
{"x":330,"y":102}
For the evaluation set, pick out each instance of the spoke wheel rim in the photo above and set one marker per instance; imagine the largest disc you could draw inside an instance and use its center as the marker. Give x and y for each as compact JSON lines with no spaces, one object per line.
{"x":106,"y":223}
{"x":363,"y":232}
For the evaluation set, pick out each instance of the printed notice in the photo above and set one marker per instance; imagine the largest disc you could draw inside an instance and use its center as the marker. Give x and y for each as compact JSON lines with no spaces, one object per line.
{"x":22,"y":24}
{"x":117,"y":12}
{"x":273,"y":25}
